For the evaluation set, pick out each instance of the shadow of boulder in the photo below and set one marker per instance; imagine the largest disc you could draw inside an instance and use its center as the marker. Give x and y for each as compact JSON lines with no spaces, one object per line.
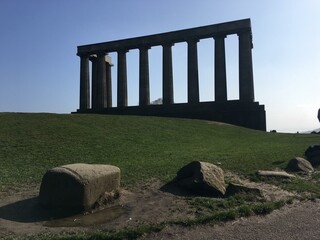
{"x":30,"y":210}
{"x":174,"y":188}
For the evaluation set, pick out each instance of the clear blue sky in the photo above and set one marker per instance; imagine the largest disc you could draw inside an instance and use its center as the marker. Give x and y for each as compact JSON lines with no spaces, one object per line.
{"x":39,"y":69}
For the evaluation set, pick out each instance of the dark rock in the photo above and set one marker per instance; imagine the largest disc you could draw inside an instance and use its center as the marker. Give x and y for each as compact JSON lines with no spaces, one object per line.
{"x":313,"y":154}
{"x":315,"y":132}
{"x":77,"y":186}
{"x":234,"y":188}
{"x":202,"y":178}
{"x":311,"y":150}
{"x":299,"y":165}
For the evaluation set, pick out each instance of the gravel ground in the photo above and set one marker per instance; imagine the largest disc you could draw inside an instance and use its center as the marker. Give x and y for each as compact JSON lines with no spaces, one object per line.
{"x":296,"y":221}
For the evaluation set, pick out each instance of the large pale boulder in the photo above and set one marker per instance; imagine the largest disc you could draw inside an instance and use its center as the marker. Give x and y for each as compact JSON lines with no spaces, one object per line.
{"x":78,"y":186}
{"x":299,"y":164}
{"x":202,"y":178}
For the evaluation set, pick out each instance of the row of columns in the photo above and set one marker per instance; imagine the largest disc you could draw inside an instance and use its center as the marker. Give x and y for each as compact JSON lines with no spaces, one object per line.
{"x":101,"y":75}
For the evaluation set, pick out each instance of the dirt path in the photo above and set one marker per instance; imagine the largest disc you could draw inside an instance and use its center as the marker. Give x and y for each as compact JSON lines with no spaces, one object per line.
{"x":21,"y":215}
{"x":297,"y":221}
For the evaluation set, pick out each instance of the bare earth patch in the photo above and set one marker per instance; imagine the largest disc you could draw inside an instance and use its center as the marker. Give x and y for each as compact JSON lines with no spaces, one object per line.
{"x":21,"y":215}
{"x":297,"y":221}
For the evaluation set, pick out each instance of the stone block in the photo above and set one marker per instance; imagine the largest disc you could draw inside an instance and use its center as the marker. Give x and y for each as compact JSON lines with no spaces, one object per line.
{"x":78,"y":186}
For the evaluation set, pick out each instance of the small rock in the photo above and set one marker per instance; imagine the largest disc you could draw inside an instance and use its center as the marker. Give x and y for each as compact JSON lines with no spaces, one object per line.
{"x":299,"y":164}
{"x":77,"y":186}
{"x":234,"y":188}
{"x":202,"y":178}
{"x":313,"y":154}
{"x":280,"y":174}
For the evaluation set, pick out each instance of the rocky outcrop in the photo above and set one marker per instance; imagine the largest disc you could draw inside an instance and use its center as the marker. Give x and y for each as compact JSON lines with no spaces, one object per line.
{"x":202,"y":178}
{"x":299,"y":164}
{"x":78,"y":186}
{"x":313,"y":154}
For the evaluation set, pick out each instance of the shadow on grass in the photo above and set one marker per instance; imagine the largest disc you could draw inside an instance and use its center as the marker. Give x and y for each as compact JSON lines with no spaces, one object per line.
{"x":30,"y":210}
{"x":176,"y":189}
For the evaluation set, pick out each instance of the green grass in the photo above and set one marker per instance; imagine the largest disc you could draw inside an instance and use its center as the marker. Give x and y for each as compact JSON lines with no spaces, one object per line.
{"x":148,"y":148}
{"x":143,"y":147}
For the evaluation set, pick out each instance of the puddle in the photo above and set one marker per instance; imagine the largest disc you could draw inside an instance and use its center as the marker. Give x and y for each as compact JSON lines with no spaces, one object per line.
{"x":84,"y":220}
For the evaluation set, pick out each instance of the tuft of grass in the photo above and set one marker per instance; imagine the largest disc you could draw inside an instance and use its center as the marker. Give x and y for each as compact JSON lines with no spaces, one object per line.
{"x":244,"y":210}
{"x":266,"y":208}
{"x":212,"y":205}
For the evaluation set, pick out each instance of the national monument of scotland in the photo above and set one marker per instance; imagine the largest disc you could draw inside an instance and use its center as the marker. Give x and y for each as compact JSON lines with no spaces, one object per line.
{"x":242,"y":112}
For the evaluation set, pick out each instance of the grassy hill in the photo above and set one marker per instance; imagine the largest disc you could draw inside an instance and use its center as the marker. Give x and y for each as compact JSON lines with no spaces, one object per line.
{"x":143,"y":147}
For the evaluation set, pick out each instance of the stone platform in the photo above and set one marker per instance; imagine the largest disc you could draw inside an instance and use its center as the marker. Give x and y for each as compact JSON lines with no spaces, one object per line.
{"x":245,"y":114}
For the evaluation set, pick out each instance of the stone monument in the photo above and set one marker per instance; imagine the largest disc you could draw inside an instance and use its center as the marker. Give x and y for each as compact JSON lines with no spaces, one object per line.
{"x":243,"y":112}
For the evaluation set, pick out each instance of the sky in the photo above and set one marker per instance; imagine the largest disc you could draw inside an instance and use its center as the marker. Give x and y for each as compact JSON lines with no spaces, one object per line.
{"x":39,"y":68}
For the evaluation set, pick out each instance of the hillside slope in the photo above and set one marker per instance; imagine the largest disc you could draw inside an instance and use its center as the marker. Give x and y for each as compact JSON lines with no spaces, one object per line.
{"x":143,"y":147}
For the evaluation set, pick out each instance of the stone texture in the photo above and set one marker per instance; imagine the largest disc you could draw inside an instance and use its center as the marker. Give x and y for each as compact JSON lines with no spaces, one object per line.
{"x":313,"y":154}
{"x":299,"y":164}
{"x":77,"y":186}
{"x":278,"y":174}
{"x":202,"y":178}
{"x":234,"y":188}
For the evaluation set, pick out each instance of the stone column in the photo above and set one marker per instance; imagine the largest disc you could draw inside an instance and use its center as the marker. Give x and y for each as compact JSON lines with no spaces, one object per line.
{"x":122,"y":94}
{"x":193,"y":78}
{"x":94,"y":87}
{"x":246,"y":90}
{"x":167,"y":75}
{"x":144,"y":94}
{"x":101,"y":81}
{"x":108,"y":81}
{"x":84,"y":83}
{"x":220,"y":75}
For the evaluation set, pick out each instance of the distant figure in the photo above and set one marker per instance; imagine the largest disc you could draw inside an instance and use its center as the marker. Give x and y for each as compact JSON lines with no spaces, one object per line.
{"x":319,"y":114}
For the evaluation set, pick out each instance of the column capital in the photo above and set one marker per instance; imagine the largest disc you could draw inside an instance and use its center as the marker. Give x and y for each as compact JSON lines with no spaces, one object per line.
{"x":219,"y":36}
{"x":192,"y":40}
{"x":122,"y":50}
{"x":244,"y":31}
{"x":93,"y":57}
{"x":168,"y":44}
{"x":101,"y":53}
{"x":144,"y":47}
{"x":83,"y":55}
